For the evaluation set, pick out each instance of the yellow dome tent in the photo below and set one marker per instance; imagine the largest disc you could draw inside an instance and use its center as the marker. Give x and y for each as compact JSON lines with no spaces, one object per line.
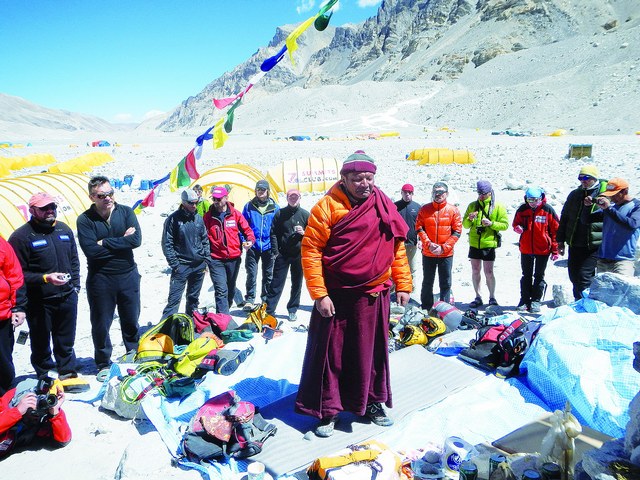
{"x":33,"y":160}
{"x":305,"y":174}
{"x":239,"y":179}
{"x":558,"y":133}
{"x":69,"y":189}
{"x":430,"y":156}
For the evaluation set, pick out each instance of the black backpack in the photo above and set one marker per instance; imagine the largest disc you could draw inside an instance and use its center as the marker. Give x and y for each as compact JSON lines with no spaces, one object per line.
{"x":500,"y":348}
{"x":225,"y":426}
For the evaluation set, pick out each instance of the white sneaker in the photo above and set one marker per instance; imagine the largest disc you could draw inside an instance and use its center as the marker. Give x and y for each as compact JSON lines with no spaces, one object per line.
{"x":293,"y":317}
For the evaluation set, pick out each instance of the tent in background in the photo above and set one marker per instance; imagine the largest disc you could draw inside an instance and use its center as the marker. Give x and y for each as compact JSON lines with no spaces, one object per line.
{"x":441,"y":155}
{"x":82,"y":164}
{"x":306,"y":174}
{"x":239,"y":179}
{"x":69,"y":189}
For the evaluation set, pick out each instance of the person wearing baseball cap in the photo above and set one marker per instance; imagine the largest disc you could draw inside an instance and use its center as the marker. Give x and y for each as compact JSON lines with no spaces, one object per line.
{"x":620,"y":228}
{"x":225,"y":225}
{"x":259,"y":213}
{"x":408,"y":210}
{"x":185,"y":245}
{"x":580,"y":229}
{"x":287,"y":231}
{"x":47,"y":251}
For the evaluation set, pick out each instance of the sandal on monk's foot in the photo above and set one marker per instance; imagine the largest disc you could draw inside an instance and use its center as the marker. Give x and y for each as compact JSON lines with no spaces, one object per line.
{"x":477,"y":302}
{"x":326,"y":427}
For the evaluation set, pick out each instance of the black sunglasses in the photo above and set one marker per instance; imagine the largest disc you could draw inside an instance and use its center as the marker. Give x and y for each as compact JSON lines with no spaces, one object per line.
{"x":104,"y":195}
{"x":51,"y":206}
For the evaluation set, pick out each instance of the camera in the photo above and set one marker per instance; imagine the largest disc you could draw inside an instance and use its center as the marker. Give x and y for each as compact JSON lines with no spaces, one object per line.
{"x":44,"y":399}
{"x":479,"y":230}
{"x":66,"y":277}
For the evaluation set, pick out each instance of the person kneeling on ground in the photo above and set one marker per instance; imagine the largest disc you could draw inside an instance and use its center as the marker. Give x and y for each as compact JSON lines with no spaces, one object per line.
{"x":23,"y":418}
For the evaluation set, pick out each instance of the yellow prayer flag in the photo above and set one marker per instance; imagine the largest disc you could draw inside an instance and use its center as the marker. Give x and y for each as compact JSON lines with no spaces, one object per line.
{"x":290,"y":42}
{"x":219,"y":135}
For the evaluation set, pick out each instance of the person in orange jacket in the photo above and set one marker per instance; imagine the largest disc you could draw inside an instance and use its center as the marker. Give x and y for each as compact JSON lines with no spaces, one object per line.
{"x":537,"y":224}
{"x":439,"y":226}
{"x":352,"y":250}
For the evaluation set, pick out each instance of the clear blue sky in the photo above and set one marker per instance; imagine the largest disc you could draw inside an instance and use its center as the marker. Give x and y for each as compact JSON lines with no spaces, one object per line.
{"x":122,"y":60}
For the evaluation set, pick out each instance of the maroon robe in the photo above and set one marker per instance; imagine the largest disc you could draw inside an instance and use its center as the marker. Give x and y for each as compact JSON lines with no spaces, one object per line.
{"x":346,"y":364}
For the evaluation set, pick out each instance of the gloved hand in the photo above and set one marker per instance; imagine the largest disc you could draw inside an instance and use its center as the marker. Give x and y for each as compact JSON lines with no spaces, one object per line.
{"x":518,"y":229}
{"x":435,"y":249}
{"x":554,"y":257}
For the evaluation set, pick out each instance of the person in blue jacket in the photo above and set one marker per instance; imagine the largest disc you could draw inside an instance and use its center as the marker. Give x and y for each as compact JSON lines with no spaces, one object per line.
{"x":259,"y":213}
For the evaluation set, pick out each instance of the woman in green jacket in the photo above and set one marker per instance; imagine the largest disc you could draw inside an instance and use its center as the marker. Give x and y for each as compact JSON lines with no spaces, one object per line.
{"x":485,"y":219}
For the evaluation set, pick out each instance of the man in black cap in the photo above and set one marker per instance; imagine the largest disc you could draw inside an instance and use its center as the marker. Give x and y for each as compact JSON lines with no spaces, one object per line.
{"x":259,"y":213}
{"x":408,"y":210}
{"x":185,"y":245}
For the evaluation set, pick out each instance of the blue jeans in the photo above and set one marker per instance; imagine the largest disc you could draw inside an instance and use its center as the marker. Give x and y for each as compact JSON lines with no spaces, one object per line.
{"x":224,"y":274}
{"x":251,"y":264}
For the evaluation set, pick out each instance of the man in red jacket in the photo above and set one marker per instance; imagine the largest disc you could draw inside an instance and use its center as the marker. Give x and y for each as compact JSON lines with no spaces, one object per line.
{"x":21,"y":421}
{"x":11,"y":280}
{"x":439,"y":226}
{"x":224,"y":225}
{"x":537,"y":224}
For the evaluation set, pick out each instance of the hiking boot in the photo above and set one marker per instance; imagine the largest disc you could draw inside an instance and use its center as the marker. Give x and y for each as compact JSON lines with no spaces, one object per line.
{"x":377,"y":415}
{"x":249,"y":305}
{"x":293,"y":317}
{"x":326,"y":427}
{"x":523,"y":307}
{"x":535,"y":307}
{"x":493,"y":301}
{"x":477,"y":302}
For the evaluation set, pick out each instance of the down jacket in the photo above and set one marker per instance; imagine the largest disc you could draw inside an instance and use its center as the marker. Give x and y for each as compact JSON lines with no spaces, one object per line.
{"x":540,"y":227}
{"x":324,"y":215}
{"x":439,"y":223}
{"x":224,"y":237}
{"x":11,"y":279}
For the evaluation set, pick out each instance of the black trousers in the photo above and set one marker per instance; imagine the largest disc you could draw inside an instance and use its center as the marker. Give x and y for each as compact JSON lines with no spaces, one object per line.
{"x":181,"y":277}
{"x":532,"y":283}
{"x":224,"y":274}
{"x":429,"y":266}
{"x":251,"y":264}
{"x":7,"y":371}
{"x":53,"y":320}
{"x":105,"y":293}
{"x":582,"y":268}
{"x":281,"y":267}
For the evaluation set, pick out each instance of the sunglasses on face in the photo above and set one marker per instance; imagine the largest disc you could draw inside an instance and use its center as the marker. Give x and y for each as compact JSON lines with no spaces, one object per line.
{"x":51,"y":206}
{"x":439,"y":192}
{"x":193,"y":203}
{"x":103,"y":195}
{"x":533,"y":199}
{"x":584,"y":178}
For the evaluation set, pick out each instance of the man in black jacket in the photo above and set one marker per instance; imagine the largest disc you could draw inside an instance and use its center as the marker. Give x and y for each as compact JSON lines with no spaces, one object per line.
{"x":186,"y":247}
{"x":46,"y":249}
{"x":107,"y":233}
{"x":287,"y":231}
{"x":408,"y":210}
{"x":581,"y":228}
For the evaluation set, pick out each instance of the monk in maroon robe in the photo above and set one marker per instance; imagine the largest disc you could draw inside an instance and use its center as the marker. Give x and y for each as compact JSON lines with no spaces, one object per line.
{"x":352,"y":251}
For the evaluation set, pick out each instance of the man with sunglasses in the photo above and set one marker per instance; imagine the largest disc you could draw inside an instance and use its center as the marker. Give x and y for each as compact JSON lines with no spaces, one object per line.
{"x":581,"y":229}
{"x":186,"y":247}
{"x":408,"y":210}
{"x":107,"y":233}
{"x":46,"y":249}
{"x":439,"y":226}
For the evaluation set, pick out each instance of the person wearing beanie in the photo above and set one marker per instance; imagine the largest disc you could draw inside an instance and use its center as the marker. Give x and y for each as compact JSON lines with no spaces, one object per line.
{"x":186,"y":247}
{"x":408,"y":210}
{"x":47,"y":251}
{"x":259,"y":213}
{"x":287,"y":231}
{"x":581,"y":229}
{"x":620,"y":228}
{"x":537,"y":223}
{"x":485,"y":219}
{"x":352,"y":252}
{"x":439,"y":226}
